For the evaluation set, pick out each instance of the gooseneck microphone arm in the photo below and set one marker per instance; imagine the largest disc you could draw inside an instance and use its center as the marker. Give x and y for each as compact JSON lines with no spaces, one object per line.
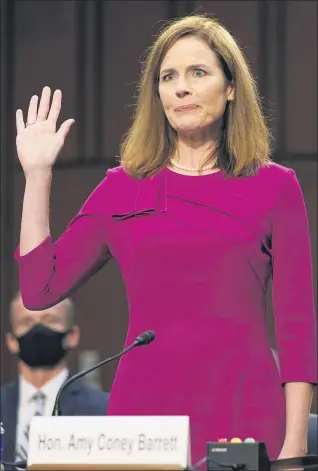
{"x":142,"y":339}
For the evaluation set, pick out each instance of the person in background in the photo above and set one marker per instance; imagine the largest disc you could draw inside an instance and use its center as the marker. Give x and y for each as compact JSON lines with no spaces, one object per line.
{"x":41,"y":340}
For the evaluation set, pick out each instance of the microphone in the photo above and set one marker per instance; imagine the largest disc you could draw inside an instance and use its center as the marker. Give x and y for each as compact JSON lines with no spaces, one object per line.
{"x":143,"y":339}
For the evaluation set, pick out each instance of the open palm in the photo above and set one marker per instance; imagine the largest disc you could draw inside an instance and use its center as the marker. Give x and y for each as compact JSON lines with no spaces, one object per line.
{"x":38,"y":142}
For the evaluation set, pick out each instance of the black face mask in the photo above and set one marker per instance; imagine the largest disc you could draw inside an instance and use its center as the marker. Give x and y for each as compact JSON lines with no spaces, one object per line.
{"x":42,"y":347}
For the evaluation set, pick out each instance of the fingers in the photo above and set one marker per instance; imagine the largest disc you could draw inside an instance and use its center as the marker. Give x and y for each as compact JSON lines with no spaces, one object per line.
{"x":19,"y":121}
{"x":44,"y":104}
{"x":32,"y":111}
{"x":45,"y":112}
{"x":55,"y":107}
{"x":65,"y":128}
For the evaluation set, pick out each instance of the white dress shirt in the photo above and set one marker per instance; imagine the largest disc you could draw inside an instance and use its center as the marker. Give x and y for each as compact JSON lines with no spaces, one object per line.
{"x":26,"y":408}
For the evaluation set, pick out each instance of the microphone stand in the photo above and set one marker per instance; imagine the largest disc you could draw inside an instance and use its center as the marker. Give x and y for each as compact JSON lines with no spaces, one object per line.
{"x":142,"y":339}
{"x":56,"y":408}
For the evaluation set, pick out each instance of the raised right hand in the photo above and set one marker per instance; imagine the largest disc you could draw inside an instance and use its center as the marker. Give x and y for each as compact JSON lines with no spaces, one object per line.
{"x":38,"y":142}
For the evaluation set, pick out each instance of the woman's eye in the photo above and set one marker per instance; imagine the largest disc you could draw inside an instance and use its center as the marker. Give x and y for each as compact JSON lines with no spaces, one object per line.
{"x":198,"y":72}
{"x":167,"y":77}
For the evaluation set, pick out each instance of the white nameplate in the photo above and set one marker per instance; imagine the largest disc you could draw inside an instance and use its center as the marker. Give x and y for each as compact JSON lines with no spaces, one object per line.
{"x":110,"y":442}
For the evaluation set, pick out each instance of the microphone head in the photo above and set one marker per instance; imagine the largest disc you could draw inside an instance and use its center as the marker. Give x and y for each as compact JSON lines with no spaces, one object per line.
{"x":145,"y":338}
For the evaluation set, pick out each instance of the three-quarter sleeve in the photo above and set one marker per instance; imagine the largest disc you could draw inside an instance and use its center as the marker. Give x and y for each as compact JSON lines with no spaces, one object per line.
{"x":293,"y":294}
{"x":52,"y":270}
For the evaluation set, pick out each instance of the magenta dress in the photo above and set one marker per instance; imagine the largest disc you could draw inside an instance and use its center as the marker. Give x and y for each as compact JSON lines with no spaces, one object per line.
{"x":196,"y":254}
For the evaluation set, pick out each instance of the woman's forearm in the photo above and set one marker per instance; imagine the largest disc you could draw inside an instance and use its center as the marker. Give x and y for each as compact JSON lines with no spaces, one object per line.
{"x":35,"y":226}
{"x":298,"y":403}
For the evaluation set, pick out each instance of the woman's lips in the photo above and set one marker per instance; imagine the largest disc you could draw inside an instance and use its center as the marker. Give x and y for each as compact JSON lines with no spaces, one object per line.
{"x":186,"y":108}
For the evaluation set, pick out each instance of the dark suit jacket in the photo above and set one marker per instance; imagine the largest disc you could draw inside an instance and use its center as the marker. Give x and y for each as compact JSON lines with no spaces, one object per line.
{"x":79,"y":398}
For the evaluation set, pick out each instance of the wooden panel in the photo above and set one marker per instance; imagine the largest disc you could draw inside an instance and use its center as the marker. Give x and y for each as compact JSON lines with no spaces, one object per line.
{"x":272,"y":96}
{"x":45,"y":55}
{"x":125,"y":43}
{"x":7,"y":146}
{"x":241,"y":18}
{"x":301,"y":76}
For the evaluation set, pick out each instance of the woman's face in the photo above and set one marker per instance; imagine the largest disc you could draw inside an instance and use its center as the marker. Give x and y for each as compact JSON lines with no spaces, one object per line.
{"x":193,"y":88}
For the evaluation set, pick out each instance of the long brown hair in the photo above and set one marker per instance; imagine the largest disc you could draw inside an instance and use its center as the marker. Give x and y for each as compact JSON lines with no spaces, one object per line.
{"x":244,"y":143}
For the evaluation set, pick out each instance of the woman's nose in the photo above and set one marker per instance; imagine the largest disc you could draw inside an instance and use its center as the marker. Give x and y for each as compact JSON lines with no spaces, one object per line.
{"x":182,"y":88}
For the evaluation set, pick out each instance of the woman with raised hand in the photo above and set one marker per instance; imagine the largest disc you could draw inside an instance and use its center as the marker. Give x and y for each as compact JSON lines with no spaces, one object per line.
{"x":199,"y":219}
